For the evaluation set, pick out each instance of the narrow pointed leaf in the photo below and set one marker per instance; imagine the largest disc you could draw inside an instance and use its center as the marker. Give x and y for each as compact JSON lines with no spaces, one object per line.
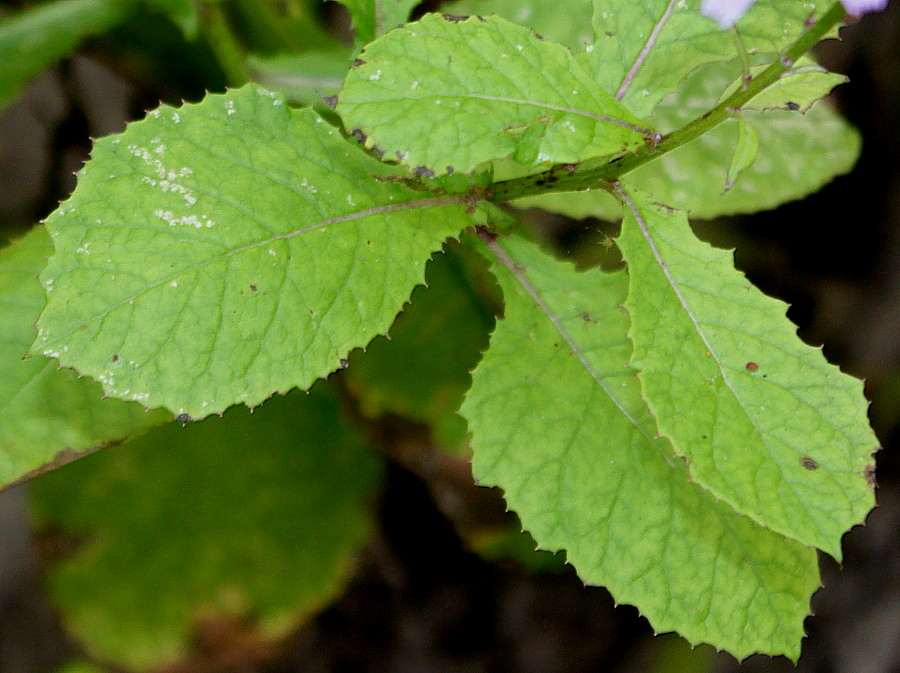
{"x":445,"y":94}
{"x":744,"y":152}
{"x":764,"y":421}
{"x":222,"y":252}
{"x":252,"y":518}
{"x":797,"y":90}
{"x":48,"y":416}
{"x":645,"y":48}
{"x":372,"y":18}
{"x":557,"y":421}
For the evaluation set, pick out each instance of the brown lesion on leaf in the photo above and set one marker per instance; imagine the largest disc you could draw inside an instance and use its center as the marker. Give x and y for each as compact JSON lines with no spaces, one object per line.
{"x":808,"y":463}
{"x":869,"y":474}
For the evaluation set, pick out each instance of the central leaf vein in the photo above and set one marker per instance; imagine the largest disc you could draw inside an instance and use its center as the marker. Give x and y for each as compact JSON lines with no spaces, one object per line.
{"x":645,"y":51}
{"x":434,"y":202}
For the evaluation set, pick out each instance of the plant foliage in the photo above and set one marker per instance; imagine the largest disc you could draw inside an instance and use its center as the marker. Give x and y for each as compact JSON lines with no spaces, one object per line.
{"x":663,"y":424}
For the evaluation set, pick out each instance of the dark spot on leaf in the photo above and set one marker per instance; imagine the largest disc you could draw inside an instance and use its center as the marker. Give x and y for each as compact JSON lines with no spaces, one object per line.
{"x":184,"y":418}
{"x":359,"y":135}
{"x":809,"y":463}
{"x":751,"y":366}
{"x":344,"y":363}
{"x":791,"y":105}
{"x":450,"y":170}
{"x":330,"y":101}
{"x":587,"y":317}
{"x":454,"y":18}
{"x":401,"y":155}
{"x":115,"y":357}
{"x":253,"y":287}
{"x":423,"y":172}
{"x":356,"y":63}
{"x":869,"y":473}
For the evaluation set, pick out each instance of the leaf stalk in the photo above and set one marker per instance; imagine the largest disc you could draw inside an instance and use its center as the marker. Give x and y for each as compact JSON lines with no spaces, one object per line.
{"x":572,"y":178}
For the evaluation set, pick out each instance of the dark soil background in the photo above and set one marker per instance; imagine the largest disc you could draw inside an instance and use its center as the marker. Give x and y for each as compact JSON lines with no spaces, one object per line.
{"x":420,"y":600}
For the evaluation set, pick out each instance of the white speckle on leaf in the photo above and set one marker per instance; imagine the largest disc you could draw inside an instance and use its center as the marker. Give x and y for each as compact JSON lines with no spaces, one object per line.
{"x":185,"y":220}
{"x":588,"y":49}
{"x":519,"y":47}
{"x":350,"y":200}
{"x":414,"y":85}
{"x":375,"y":76}
{"x":174,"y":283}
{"x":308,"y":187}
{"x":84,"y":249}
{"x":153,"y":113}
{"x":229,"y":107}
{"x":175,"y":117}
{"x":273,"y":253}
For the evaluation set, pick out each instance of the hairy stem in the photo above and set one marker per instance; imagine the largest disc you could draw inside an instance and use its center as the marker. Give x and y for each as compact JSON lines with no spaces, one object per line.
{"x":574,"y":178}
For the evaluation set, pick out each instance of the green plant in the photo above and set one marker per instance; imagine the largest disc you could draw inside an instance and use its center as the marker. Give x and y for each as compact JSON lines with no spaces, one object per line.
{"x":664,"y":424}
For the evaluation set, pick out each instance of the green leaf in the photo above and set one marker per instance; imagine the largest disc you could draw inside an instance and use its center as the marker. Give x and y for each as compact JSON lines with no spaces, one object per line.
{"x":745,"y":152}
{"x":764,"y":421}
{"x":183,"y":13}
{"x":645,"y":48}
{"x":557,"y":421}
{"x":252,"y":517}
{"x":571,"y":28}
{"x":444,"y":95}
{"x":47,"y":415}
{"x":423,"y":370}
{"x":797,"y":90}
{"x":798,"y":154}
{"x":33,"y":39}
{"x":305,"y":78}
{"x":221,"y":252}
{"x":372,"y":18}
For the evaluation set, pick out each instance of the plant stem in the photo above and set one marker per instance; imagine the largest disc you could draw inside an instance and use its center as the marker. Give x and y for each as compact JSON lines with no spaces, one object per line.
{"x":572,"y":179}
{"x":221,"y":40}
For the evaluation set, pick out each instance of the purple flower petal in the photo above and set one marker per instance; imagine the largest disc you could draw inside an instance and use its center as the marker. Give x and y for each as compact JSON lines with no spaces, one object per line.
{"x":727,"y":12}
{"x":857,"y":7}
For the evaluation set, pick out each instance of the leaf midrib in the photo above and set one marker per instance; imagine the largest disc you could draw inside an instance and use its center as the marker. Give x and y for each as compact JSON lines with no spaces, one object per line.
{"x":432,"y":202}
